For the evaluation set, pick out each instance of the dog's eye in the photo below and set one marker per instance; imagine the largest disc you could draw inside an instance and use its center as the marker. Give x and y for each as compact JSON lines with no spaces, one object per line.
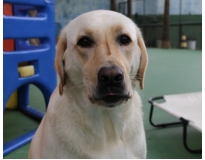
{"x":85,"y":42}
{"x":124,"y":40}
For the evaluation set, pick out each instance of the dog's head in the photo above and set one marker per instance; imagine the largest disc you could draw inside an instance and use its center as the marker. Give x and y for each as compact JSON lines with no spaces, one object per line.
{"x":104,"y":52}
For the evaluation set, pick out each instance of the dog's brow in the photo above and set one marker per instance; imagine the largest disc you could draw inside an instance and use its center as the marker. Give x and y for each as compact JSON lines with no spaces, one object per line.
{"x":117,"y":28}
{"x":87,"y":32}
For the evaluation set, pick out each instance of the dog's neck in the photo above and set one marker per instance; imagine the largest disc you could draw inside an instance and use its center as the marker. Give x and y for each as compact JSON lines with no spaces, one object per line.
{"x":108,"y":122}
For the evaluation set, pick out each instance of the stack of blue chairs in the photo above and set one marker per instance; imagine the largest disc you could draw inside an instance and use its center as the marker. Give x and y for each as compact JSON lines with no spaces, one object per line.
{"x":21,"y":28}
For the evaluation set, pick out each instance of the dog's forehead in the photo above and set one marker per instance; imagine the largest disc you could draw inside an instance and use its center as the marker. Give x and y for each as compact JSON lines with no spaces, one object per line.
{"x":104,"y":21}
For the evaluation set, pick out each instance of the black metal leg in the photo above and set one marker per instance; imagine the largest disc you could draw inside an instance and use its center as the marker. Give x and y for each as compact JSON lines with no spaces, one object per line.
{"x":185,"y":124}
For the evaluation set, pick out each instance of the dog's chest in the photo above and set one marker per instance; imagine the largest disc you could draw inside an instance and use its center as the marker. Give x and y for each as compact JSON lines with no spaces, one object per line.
{"x":115,"y":150}
{"x":112,"y":128}
{"x":113,"y":142}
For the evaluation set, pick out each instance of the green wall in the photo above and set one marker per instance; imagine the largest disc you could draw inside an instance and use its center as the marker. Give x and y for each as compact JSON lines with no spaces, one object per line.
{"x":151,"y":34}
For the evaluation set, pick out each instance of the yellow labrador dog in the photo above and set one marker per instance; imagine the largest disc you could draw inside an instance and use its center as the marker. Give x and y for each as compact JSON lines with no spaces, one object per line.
{"x":95,"y":111}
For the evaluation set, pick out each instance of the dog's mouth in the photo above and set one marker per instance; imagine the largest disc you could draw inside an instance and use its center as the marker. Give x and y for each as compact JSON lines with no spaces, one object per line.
{"x":111,"y":100}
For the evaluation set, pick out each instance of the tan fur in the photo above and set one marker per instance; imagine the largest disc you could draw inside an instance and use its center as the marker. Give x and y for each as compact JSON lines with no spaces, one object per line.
{"x":143,"y":61}
{"x":75,"y":124}
{"x":61,"y":48}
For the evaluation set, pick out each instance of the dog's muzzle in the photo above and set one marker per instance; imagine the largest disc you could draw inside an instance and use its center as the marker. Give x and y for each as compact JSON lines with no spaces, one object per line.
{"x":111,"y":89}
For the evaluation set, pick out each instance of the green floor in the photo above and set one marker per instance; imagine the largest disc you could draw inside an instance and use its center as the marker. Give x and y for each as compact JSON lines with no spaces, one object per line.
{"x":169,"y":72}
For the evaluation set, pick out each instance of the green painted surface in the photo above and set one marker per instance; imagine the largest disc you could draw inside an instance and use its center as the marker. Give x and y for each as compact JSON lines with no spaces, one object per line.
{"x":152,"y":34}
{"x":169,"y":72}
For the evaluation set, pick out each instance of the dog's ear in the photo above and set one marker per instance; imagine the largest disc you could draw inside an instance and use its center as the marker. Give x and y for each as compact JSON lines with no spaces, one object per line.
{"x":143,"y":59}
{"x":59,"y":61}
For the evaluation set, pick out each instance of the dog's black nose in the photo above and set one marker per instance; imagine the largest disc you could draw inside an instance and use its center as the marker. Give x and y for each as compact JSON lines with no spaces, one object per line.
{"x":108,"y":76}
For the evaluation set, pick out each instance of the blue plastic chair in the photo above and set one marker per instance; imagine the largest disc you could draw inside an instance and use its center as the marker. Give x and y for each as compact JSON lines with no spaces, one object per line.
{"x":21,"y":27}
